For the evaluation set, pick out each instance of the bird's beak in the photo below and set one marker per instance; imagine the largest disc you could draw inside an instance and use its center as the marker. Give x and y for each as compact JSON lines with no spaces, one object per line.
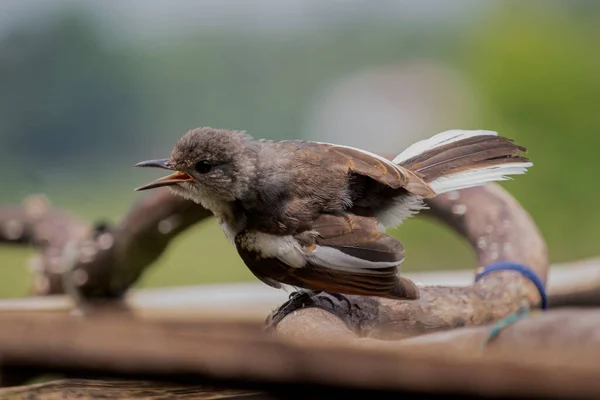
{"x":173,"y":179}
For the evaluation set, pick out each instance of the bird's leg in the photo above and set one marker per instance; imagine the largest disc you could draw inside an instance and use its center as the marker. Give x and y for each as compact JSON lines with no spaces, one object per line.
{"x":359,"y":312}
{"x":297,"y":300}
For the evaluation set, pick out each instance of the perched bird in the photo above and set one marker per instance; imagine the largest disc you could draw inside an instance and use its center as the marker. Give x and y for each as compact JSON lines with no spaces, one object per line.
{"x":313,"y":215}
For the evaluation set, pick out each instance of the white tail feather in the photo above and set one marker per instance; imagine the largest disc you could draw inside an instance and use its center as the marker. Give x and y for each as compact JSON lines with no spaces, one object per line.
{"x":439,"y":140}
{"x":477,"y":177}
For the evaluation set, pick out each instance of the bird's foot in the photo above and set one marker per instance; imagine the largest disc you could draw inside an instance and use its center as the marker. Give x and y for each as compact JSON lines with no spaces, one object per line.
{"x":358,"y":312}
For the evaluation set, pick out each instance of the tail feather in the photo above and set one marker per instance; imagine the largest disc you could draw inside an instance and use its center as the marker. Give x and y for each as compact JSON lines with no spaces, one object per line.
{"x":476,"y":148}
{"x":458,"y":159}
{"x":440,"y":139}
{"x":477,"y":177}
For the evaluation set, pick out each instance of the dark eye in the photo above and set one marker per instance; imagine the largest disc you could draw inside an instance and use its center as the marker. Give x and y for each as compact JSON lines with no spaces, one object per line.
{"x":203,"y":166}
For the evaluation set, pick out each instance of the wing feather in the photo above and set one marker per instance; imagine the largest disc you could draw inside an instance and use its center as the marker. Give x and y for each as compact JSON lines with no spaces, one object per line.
{"x":344,"y":253}
{"x":353,"y":243}
{"x":368,"y":164}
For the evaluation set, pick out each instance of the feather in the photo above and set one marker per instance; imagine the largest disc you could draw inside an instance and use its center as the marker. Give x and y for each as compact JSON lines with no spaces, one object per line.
{"x":456,"y":159}
{"x":342,"y":253}
{"x":440,"y":139}
{"x":350,"y":242}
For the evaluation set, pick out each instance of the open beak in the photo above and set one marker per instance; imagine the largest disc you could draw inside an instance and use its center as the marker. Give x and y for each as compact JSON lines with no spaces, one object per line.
{"x":173,"y":179}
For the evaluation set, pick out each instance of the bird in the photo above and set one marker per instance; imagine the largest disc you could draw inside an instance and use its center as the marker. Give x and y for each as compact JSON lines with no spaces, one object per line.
{"x":314,"y":215}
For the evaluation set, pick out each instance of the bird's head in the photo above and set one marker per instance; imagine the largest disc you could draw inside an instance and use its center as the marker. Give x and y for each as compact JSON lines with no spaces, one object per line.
{"x":210,"y":165}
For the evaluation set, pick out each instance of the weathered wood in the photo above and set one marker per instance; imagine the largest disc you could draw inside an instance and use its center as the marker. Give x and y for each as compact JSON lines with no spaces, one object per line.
{"x":578,"y":285}
{"x":560,"y":338}
{"x":50,"y":230}
{"x":528,"y":358}
{"x":85,"y":389}
{"x":100,"y":261}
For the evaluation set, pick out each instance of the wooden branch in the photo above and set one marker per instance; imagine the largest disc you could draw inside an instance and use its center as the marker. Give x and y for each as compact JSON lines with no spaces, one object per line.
{"x":572,"y":284}
{"x":50,"y":230}
{"x":561,"y":338}
{"x":497,"y":228}
{"x":102,"y":261}
{"x":121,"y":254}
{"x":551,"y":355}
{"x":495,"y":224}
{"x":85,"y":389}
{"x":578,"y":285}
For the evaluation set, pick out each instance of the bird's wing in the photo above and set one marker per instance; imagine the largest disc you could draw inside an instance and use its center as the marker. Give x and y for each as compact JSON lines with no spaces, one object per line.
{"x":380,"y":169}
{"x":350,"y":253}
{"x":267,"y":270}
{"x":342,"y":253}
{"x":352,"y":242}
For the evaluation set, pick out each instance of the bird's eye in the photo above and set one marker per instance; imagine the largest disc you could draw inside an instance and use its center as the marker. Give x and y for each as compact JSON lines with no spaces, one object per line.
{"x":203,"y":166}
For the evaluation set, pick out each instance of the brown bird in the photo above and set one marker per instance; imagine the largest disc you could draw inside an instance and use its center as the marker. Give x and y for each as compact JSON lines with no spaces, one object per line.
{"x":313,"y":215}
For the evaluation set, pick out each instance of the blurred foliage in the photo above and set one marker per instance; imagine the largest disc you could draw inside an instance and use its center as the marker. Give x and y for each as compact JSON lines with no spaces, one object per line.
{"x":537,"y":72}
{"x":62,"y":93}
{"x":78,"y":108}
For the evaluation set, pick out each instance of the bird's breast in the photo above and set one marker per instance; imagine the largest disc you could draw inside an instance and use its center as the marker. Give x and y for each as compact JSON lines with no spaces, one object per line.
{"x":229,"y":231}
{"x":232,"y":219}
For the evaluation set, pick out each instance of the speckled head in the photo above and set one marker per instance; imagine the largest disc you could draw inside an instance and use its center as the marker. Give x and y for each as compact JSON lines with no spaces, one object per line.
{"x":211,"y":165}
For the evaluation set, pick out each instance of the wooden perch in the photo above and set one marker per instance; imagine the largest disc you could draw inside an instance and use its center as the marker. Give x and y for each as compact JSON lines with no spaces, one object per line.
{"x":88,"y":389}
{"x":578,"y":286}
{"x":47,"y":229}
{"x":550,"y":355}
{"x":100,"y":261}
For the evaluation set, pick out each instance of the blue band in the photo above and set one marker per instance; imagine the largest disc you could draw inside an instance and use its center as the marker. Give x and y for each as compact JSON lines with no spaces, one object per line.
{"x":526,"y":272}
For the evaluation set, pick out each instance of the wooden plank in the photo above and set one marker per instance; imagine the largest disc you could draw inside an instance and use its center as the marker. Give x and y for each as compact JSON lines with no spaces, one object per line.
{"x":243,"y":356}
{"x":85,"y":389}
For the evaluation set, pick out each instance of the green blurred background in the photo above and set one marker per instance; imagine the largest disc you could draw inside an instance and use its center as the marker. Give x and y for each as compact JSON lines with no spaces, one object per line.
{"x":88,"y":88}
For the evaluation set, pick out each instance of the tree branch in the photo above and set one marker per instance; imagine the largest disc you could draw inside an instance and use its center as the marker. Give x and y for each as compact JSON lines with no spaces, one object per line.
{"x":85,"y":389}
{"x":100,"y":261}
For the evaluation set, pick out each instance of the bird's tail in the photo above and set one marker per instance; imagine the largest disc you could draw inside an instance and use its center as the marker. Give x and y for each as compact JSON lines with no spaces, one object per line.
{"x":459,"y":159}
